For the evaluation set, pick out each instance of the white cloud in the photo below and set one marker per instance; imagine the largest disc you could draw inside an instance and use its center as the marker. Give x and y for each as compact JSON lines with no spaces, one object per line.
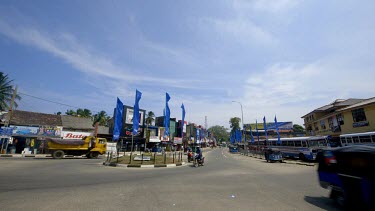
{"x":68,"y":48}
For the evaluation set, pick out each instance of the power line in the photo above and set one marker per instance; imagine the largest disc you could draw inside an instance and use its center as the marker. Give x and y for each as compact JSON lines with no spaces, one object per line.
{"x":50,"y":101}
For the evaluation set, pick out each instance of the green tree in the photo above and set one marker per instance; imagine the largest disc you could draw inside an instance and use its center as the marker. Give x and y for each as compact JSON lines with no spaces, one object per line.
{"x":58,"y":113}
{"x":234,"y":124}
{"x":150,"y":117}
{"x":71,"y":112}
{"x":298,"y":128}
{"x":102,"y":118}
{"x":219,"y":132}
{"x":83,"y":112}
{"x":6,"y":92}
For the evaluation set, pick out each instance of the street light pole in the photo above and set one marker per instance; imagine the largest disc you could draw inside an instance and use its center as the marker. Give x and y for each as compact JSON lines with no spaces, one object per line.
{"x":241,"y":120}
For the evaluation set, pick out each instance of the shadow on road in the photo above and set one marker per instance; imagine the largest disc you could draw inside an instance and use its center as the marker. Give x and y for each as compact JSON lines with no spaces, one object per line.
{"x":324,"y":203}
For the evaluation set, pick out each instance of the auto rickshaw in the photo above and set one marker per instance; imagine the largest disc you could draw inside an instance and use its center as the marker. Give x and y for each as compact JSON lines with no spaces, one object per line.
{"x":273,"y":155}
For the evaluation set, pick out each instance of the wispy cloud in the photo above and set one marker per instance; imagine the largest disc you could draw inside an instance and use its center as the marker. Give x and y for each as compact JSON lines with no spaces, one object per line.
{"x":82,"y":58}
{"x":265,"y":5}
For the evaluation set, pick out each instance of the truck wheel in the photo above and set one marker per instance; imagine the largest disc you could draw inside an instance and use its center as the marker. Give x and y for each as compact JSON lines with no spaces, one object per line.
{"x":58,"y":154}
{"x":94,"y":154}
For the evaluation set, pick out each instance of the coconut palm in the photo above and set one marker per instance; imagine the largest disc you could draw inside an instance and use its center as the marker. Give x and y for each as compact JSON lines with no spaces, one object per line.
{"x":6,"y":92}
{"x":150,"y":118}
{"x":102,"y":118}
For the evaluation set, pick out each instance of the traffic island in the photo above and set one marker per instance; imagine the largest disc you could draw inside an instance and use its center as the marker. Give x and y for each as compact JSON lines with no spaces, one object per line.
{"x":147,"y":160}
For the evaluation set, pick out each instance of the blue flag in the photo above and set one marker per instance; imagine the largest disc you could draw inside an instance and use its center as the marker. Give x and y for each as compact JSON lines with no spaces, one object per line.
{"x":231,"y":138}
{"x":256,"y":128}
{"x":244,"y":132}
{"x":251,"y":135}
{"x":277,"y":131}
{"x":118,"y":120}
{"x":136,"y":119}
{"x":183,"y":119}
{"x":265,"y":127}
{"x":167,"y":114}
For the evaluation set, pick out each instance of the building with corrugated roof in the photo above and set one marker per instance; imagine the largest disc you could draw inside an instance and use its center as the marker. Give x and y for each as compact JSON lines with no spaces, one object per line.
{"x":342,"y":116}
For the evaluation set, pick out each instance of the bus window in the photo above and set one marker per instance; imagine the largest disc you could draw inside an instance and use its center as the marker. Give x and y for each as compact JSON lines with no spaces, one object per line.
{"x":343,"y":141}
{"x":291,"y":143}
{"x":304,"y":144}
{"x":284,"y":143}
{"x":373,"y":138}
{"x":355,"y":139}
{"x":273,"y":143}
{"x":297,"y":143}
{"x":365,"y":139}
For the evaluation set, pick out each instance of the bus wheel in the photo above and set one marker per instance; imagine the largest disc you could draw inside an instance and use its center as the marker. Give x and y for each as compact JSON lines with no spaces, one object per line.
{"x":301,"y":156}
{"x":58,"y":154}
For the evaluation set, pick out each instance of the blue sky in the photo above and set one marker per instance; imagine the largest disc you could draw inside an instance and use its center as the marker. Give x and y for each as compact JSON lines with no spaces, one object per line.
{"x":281,"y":58}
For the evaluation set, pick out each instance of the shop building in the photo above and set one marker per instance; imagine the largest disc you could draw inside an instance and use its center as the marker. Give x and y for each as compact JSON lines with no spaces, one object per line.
{"x":76,"y":127}
{"x":343,"y":116}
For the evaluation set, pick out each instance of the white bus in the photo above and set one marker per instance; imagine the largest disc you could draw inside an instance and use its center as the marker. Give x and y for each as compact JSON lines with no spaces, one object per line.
{"x":358,"y":138}
{"x":304,"y":148}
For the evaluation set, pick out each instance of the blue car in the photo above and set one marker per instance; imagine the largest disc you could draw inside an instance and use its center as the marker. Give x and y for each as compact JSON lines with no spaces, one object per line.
{"x":233,"y":149}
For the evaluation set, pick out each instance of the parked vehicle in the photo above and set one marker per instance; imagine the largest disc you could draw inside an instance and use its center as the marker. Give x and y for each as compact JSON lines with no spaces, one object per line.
{"x":90,"y":146}
{"x":273,"y":155}
{"x":349,"y":173}
{"x":367,"y":138}
{"x":304,"y":148}
{"x":233,"y":149}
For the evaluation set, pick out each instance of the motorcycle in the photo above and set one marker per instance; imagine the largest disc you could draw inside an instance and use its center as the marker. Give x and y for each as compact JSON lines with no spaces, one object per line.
{"x":198,"y":161}
{"x":190,"y":156}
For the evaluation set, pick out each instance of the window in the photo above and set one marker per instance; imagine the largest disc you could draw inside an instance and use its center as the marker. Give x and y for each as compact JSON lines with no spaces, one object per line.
{"x":316,"y":126}
{"x":273,"y":143}
{"x":340,"y":119}
{"x":359,"y":115}
{"x":330,"y":122}
{"x":373,"y":138}
{"x":284,"y":143}
{"x":356,"y":139}
{"x":291,"y":143}
{"x":343,"y":140}
{"x":365,"y":139}
{"x":322,"y":124}
{"x":304,"y":143}
{"x":297,"y":143}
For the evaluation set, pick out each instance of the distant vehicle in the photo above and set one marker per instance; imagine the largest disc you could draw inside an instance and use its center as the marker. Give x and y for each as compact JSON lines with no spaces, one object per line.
{"x":304,"y":148}
{"x":273,"y":155}
{"x":224,"y":144}
{"x":349,"y":173}
{"x":357,"y":138}
{"x":233,"y":149}
{"x":90,"y":146}
{"x":156,"y":149}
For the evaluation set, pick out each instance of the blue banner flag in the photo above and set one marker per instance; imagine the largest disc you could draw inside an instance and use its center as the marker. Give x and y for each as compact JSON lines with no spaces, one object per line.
{"x":231,"y":138}
{"x":136,"y":118}
{"x":265,"y":127}
{"x":277,"y":131}
{"x":244,"y":132}
{"x":256,"y":128}
{"x":183,"y":119}
{"x":251,"y":135}
{"x":118,"y":120}
{"x":167,"y":114}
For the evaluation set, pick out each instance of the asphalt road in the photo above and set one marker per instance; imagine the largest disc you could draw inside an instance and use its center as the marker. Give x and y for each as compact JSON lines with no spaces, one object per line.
{"x":226,"y":182}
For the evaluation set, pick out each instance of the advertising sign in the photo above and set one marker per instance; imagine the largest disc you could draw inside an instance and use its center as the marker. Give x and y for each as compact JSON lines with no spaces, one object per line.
{"x":177,"y":140}
{"x":53,"y":131}
{"x":154,"y":139}
{"x":75,"y":135}
{"x":129,"y":113}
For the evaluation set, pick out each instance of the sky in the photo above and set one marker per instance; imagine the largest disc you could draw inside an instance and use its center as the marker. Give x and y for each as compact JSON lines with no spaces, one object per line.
{"x":283,"y":58}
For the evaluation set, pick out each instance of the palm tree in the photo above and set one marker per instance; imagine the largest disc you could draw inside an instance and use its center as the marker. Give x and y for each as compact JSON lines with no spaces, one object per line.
{"x":6,"y":92}
{"x":71,"y":112}
{"x":150,"y":118}
{"x":102,"y":118}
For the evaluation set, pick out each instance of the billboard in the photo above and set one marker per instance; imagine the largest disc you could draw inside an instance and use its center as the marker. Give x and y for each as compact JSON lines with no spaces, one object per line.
{"x":52,"y":131}
{"x":129,"y":113}
{"x":75,"y":135}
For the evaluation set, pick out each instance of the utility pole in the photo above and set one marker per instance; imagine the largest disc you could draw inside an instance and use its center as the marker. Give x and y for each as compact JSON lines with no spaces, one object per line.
{"x":10,"y":111}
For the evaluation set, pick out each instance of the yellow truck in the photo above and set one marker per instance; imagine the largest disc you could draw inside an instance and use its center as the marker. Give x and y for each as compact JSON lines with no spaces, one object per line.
{"x":90,"y":146}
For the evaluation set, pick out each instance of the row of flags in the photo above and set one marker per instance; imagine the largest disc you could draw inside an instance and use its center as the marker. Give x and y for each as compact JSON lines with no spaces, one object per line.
{"x":138,"y":95}
{"x":236,"y":136}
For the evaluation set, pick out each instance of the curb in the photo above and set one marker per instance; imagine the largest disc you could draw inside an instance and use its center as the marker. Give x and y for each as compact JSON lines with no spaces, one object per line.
{"x":287,"y":162}
{"x":143,"y":166}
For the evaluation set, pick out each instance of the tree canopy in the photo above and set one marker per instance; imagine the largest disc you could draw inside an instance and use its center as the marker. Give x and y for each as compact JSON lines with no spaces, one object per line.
{"x":298,"y":128}
{"x":219,"y":132}
{"x":6,"y":92}
{"x":234,"y":124}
